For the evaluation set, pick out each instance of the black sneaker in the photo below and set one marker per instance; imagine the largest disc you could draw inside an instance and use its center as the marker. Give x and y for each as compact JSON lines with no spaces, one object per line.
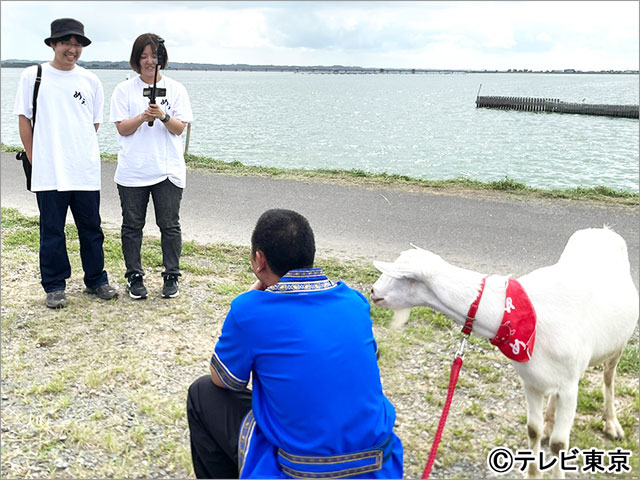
{"x":104,"y":291}
{"x":136,"y":287}
{"x":56,"y":299}
{"x":170,"y":287}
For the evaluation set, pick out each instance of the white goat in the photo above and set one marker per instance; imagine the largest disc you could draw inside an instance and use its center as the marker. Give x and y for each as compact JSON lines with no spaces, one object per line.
{"x":587,"y":309}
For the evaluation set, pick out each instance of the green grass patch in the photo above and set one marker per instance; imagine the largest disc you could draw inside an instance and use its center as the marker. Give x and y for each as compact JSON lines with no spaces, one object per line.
{"x":590,"y":400}
{"x":229,"y":289}
{"x":509,"y":185}
{"x":630,"y":362}
{"x":10,"y":148}
{"x":13,"y":218}
{"x":506,"y":185}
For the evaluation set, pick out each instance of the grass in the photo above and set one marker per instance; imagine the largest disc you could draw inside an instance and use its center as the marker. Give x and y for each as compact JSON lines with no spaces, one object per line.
{"x":629,"y":363}
{"x":360,"y":177}
{"x":505,"y":185}
{"x":97,"y":390}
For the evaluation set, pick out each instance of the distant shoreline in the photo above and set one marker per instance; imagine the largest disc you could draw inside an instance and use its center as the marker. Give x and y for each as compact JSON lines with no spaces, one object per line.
{"x":333,"y":69}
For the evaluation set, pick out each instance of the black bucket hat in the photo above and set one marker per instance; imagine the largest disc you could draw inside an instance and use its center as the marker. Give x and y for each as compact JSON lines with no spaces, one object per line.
{"x":67,"y":26}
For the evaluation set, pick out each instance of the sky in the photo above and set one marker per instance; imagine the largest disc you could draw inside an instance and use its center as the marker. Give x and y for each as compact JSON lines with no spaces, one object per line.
{"x":502,"y":35}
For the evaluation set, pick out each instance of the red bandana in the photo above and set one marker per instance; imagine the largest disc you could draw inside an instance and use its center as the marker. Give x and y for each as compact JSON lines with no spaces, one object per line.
{"x":517,"y":332}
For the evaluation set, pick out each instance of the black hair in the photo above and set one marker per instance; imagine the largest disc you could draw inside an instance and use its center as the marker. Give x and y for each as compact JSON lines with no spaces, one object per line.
{"x":138,"y":47}
{"x":65,"y":38}
{"x":286,"y":239}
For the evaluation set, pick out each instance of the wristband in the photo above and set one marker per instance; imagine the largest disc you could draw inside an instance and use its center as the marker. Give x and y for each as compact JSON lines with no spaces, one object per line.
{"x":166,"y":118}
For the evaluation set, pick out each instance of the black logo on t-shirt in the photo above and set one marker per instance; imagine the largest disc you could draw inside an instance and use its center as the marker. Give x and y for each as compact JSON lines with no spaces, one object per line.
{"x":80,"y":97}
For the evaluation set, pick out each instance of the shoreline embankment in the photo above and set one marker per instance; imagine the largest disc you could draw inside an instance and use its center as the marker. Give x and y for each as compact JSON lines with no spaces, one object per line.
{"x":482,"y":230}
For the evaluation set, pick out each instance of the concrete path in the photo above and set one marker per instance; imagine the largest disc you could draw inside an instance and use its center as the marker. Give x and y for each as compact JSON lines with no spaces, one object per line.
{"x":472,"y":230}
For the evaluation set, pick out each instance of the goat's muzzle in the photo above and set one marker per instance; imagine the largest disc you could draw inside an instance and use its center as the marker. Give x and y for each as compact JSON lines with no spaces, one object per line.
{"x":375,"y":299}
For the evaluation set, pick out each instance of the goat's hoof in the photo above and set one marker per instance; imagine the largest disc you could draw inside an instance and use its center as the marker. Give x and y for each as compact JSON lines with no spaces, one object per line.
{"x":613,"y":429}
{"x":532,"y":471}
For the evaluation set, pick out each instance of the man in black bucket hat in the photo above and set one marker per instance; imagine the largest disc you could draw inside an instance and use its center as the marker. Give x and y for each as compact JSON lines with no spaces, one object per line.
{"x":67,"y":26}
{"x":61,"y":142}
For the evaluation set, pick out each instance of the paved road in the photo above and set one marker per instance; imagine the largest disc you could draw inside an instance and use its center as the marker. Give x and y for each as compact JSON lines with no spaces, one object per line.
{"x":491,"y":235}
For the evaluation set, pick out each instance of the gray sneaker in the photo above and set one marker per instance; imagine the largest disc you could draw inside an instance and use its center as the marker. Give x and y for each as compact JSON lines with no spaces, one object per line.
{"x":104,"y":291}
{"x":56,"y":299}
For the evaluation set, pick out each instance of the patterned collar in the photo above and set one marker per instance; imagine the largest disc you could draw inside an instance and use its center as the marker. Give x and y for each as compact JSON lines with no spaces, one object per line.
{"x":302,"y":280}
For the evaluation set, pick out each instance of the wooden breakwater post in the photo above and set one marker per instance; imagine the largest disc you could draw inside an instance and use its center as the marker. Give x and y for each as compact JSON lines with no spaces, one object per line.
{"x":555,"y":105}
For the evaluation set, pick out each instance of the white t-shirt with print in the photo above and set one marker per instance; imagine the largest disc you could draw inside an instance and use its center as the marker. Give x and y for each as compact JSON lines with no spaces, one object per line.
{"x":66,"y":154}
{"x":150,"y":154}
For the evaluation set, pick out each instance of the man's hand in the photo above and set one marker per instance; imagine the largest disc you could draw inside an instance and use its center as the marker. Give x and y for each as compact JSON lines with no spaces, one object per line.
{"x":155,"y":111}
{"x":26,"y":135}
{"x":258,"y":285}
{"x":147,"y":116}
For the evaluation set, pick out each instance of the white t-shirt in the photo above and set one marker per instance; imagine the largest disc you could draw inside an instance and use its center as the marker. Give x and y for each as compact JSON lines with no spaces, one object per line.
{"x":66,"y":155}
{"x":150,"y":154}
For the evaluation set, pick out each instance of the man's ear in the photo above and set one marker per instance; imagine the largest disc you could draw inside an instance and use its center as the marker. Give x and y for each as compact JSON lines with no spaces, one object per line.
{"x":260,"y":261}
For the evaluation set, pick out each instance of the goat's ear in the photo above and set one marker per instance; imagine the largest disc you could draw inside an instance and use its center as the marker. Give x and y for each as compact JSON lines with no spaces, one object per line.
{"x":395,"y":270}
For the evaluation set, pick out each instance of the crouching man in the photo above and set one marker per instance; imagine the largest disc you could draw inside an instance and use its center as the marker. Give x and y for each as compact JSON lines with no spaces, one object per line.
{"x":317,"y":408}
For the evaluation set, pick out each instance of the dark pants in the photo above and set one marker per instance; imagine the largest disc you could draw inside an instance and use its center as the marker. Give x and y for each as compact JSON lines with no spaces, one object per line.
{"x":166,"y":203}
{"x":215,"y":416}
{"x":54,"y":261}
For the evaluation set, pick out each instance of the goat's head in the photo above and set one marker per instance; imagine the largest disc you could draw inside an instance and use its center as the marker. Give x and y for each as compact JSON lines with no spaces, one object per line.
{"x":405,"y":283}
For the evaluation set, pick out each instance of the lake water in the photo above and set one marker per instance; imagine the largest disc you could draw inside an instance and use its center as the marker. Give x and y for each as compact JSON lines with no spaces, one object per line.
{"x":425,"y":126}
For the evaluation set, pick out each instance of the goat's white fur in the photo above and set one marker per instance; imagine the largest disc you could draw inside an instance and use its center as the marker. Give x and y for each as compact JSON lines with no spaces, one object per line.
{"x":587,"y":309}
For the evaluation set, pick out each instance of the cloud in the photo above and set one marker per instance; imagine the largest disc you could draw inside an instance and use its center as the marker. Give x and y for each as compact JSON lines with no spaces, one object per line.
{"x":543,"y":37}
{"x":414,"y":34}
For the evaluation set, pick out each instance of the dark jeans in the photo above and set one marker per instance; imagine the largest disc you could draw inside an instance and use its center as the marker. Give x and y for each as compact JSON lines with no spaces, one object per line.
{"x":215,"y":415}
{"x":54,"y":261}
{"x":166,"y":203}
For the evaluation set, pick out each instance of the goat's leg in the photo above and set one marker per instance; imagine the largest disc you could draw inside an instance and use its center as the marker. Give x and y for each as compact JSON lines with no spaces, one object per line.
{"x":612,"y":426}
{"x":549,"y":418}
{"x":566,"y":403}
{"x":535,"y":402}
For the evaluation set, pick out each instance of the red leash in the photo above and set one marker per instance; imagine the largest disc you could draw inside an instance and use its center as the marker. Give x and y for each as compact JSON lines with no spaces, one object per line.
{"x":453,"y":379}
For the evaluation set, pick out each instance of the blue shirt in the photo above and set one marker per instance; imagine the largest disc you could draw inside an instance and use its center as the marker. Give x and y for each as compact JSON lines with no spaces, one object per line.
{"x":316,"y":384}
